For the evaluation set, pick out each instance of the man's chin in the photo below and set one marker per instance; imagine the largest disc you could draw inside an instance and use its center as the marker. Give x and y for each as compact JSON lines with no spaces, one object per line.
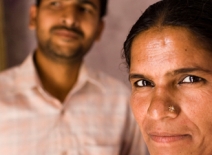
{"x":68,"y":57}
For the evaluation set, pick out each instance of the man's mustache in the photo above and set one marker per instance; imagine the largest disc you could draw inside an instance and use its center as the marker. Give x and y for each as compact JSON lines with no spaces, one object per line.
{"x":70,"y":29}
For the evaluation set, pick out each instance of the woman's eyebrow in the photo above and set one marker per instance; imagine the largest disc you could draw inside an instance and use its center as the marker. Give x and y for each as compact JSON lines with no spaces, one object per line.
{"x":175,"y":72}
{"x":135,"y":76}
{"x":190,"y":69}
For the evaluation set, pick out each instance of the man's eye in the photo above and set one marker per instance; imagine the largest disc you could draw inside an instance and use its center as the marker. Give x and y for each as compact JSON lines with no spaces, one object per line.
{"x":143,"y":83}
{"x":191,"y":79}
{"x":55,"y":3}
{"x":85,"y":9}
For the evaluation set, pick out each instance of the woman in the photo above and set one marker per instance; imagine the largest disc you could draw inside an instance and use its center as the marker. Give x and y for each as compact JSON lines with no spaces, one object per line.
{"x":169,"y":55}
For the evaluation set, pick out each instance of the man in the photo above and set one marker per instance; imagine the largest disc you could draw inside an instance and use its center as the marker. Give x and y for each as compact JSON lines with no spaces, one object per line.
{"x":52,"y":104}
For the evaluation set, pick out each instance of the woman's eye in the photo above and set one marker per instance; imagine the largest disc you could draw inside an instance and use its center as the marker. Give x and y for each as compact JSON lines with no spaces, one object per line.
{"x":191,"y":79}
{"x":143,"y":83}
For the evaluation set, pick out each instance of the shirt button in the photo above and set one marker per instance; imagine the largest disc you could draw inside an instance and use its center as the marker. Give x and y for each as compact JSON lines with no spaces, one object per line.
{"x":64,"y":153}
{"x":62,"y":111}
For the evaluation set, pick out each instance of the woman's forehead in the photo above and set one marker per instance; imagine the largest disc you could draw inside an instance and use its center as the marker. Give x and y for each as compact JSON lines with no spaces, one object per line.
{"x":167,"y":47}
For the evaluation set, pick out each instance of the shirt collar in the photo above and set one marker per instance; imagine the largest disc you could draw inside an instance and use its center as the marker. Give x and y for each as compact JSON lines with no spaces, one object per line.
{"x":29,"y":73}
{"x":88,"y":76}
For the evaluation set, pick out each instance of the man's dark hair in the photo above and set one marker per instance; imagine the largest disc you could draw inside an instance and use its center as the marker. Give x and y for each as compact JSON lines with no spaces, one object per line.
{"x":194,"y":15}
{"x":103,"y":7}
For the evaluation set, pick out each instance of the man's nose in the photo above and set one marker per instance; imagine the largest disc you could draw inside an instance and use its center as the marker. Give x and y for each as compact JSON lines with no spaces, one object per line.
{"x":70,"y":17}
{"x":163,"y":104}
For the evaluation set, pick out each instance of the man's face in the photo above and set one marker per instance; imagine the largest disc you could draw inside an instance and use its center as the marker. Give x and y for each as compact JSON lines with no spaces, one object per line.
{"x":169,"y":67}
{"x":66,"y":29}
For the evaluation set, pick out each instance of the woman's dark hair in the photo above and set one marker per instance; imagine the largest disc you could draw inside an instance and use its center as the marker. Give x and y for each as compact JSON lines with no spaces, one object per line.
{"x":103,"y":7}
{"x":194,"y":15}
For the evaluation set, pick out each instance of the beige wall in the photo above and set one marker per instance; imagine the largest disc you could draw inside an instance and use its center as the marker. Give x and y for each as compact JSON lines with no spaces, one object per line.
{"x":105,"y":55}
{"x":19,"y":40}
{"x":122,"y":14}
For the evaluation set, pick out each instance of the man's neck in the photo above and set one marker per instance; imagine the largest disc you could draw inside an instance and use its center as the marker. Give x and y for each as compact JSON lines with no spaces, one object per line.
{"x":57,"y":78}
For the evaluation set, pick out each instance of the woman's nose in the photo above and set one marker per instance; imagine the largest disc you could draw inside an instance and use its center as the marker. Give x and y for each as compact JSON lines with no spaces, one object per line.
{"x":163,"y":104}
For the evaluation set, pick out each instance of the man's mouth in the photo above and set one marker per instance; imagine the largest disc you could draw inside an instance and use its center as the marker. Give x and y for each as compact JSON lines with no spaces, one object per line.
{"x":68,"y":33}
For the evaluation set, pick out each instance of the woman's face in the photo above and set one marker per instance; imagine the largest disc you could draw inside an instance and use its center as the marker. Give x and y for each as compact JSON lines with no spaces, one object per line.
{"x":170,"y":68}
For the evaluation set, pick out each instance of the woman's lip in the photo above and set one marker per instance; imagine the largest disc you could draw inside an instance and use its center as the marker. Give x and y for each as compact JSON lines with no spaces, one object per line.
{"x":167,"y":137}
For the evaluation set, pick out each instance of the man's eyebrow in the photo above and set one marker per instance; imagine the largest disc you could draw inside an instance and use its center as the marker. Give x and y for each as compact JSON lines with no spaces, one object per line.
{"x":88,"y":2}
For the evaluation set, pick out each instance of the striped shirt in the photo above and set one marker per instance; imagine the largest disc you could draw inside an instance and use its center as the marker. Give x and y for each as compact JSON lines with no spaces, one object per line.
{"x":94,"y":119}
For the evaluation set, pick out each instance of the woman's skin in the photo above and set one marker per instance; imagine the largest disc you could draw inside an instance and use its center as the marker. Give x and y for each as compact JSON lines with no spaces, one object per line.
{"x":169,"y":67}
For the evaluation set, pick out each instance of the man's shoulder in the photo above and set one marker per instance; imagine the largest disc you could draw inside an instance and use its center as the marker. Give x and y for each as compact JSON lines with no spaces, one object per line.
{"x":110,"y":83}
{"x":105,"y":77}
{"x":7,"y":77}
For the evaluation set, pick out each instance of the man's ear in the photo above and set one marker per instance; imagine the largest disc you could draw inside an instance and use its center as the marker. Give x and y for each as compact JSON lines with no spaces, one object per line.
{"x":32,"y":17}
{"x":100,"y":30}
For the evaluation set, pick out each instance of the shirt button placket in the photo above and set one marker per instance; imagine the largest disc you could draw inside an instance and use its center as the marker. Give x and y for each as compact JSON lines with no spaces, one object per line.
{"x":64,"y":153}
